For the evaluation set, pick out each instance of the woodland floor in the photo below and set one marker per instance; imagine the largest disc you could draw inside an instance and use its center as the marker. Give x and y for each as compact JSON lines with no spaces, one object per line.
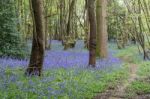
{"x":59,"y":58}
{"x":120,"y":91}
{"x":123,"y":75}
{"x":65,"y":75}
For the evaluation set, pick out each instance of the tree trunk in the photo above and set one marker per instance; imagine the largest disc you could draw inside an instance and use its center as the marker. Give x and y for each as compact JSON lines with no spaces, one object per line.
{"x":92,"y":42}
{"x":38,"y":43}
{"x":86,"y":24}
{"x":71,"y":10}
{"x":47,"y":37}
{"x":62,"y":19}
{"x":102,"y":35}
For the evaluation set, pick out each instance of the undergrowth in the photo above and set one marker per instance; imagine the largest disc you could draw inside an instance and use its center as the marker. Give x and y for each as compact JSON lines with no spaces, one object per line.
{"x":58,"y":83}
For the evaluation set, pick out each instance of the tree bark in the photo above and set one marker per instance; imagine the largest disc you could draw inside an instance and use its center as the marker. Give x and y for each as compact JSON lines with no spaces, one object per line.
{"x":47,"y":38}
{"x":71,"y":10}
{"x":92,"y":42}
{"x":102,"y":35}
{"x":38,"y":43}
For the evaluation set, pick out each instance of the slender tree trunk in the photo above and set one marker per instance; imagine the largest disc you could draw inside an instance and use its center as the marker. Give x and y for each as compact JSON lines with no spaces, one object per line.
{"x":38,"y":43}
{"x":86,"y":24}
{"x":47,"y":38}
{"x":92,"y":42}
{"x":102,"y":35}
{"x":62,"y":19}
{"x":71,"y":10}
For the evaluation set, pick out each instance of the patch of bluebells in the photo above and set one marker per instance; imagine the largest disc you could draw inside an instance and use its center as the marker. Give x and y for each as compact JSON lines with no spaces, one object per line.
{"x":55,"y":84}
{"x":17,"y":87}
{"x":58,"y":83}
{"x":58,"y":58}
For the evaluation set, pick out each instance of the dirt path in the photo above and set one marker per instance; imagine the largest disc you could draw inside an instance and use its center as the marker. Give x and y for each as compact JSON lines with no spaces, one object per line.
{"x":119,"y":91}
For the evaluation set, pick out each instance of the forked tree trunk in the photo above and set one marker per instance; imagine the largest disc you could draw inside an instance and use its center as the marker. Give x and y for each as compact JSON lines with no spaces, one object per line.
{"x":92,"y":42}
{"x":38,"y":43}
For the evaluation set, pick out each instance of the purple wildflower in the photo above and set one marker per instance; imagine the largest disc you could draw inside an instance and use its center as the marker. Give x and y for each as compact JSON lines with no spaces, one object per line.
{"x":58,"y":58}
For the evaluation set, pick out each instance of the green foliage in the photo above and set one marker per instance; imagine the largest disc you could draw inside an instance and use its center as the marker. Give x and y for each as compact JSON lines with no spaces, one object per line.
{"x":115,"y":19}
{"x":141,"y":87}
{"x":59,"y":83}
{"x":10,"y":38}
{"x":144,"y":69}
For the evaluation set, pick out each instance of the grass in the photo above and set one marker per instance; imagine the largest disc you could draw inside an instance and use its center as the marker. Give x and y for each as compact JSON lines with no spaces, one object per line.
{"x":64,"y":82}
{"x":58,"y":83}
{"x":130,"y":54}
{"x":141,"y":86}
